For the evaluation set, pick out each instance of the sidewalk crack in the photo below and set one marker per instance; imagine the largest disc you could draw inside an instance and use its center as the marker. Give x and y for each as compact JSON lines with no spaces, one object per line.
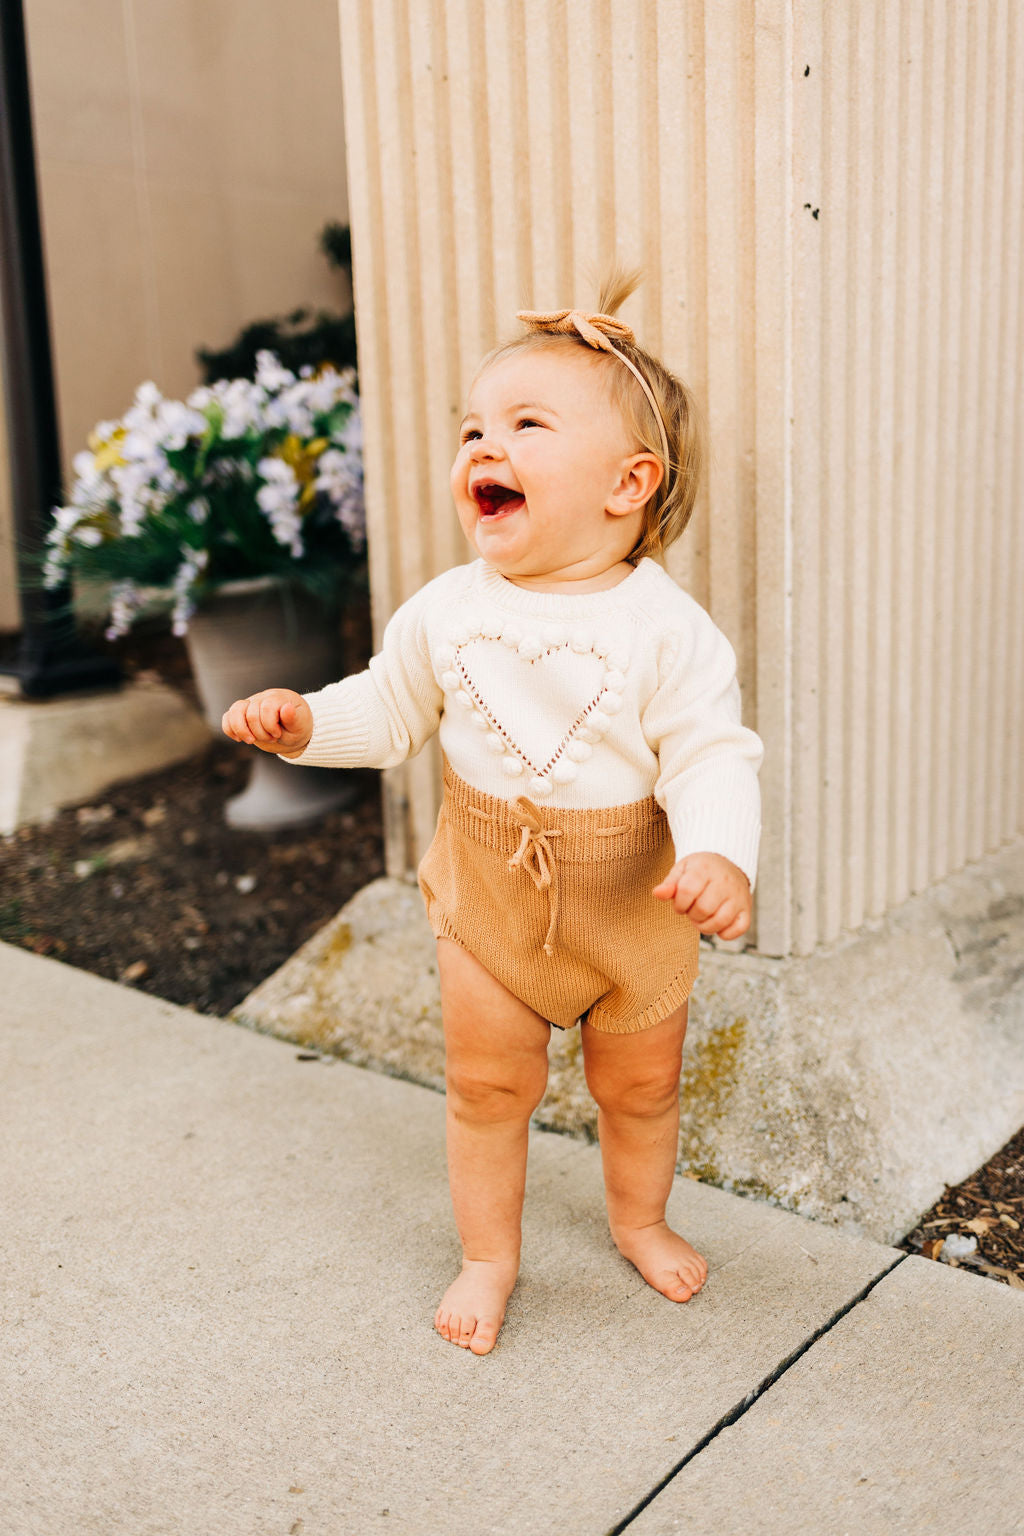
{"x":739,"y":1409}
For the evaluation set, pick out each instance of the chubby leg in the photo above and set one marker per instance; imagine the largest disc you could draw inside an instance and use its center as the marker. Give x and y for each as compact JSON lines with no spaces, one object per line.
{"x":496,"y":1068}
{"x":635,"y":1082}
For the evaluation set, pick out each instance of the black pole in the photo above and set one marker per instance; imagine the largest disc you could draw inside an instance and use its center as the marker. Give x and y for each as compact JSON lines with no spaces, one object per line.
{"x":52,"y":657}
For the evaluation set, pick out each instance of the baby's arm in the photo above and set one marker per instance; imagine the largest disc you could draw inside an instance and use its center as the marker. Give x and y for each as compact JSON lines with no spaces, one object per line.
{"x":708,"y":778}
{"x":712,"y":891}
{"x":373,"y":719}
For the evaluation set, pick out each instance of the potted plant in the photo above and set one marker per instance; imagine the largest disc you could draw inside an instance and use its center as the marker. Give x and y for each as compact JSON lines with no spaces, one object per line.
{"x":242,"y":508}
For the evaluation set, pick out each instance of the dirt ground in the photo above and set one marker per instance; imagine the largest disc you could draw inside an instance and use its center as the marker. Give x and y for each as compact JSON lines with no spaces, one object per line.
{"x":149,"y":887}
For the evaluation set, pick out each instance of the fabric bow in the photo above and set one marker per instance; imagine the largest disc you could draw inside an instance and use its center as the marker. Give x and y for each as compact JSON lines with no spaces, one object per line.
{"x":537,"y":857}
{"x":595,"y":329}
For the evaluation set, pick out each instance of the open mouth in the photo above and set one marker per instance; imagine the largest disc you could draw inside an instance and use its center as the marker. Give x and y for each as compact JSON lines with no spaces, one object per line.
{"x":494,"y":500}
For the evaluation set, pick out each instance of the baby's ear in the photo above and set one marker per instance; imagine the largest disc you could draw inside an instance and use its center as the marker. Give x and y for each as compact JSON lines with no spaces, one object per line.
{"x":640,"y":478}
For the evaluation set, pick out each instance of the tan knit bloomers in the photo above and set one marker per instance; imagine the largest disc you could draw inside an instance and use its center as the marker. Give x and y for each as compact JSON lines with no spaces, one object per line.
{"x":557,"y":905}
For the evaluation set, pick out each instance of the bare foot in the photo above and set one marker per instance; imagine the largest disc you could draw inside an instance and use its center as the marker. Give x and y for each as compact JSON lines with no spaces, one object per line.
{"x":473,"y":1307}
{"x":666,"y":1260}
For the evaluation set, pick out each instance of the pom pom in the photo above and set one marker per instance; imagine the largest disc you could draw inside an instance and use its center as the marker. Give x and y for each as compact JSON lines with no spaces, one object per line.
{"x":512,"y":635}
{"x":495,"y":744}
{"x":464,"y":699}
{"x":618,"y":660}
{"x":541,"y":787}
{"x":512,"y":766}
{"x":530,"y":648}
{"x":611,"y":703}
{"x":614,"y":679}
{"x":451,"y":682}
{"x":579,"y":751}
{"x":481,"y":722}
{"x":564,"y":772}
{"x":582,"y":641}
{"x":597,"y":722}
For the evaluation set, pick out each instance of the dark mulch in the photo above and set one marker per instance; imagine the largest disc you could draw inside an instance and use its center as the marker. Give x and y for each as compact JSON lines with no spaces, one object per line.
{"x":989,"y":1206}
{"x":150,"y":887}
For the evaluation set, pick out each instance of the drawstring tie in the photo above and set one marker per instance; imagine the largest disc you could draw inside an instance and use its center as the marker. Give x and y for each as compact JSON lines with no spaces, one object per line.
{"x":536,"y":855}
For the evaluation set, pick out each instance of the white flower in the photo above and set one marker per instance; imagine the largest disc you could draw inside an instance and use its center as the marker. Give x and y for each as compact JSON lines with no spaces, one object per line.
{"x":194,"y":563}
{"x":85,"y":466}
{"x":64,"y":519}
{"x":148,"y":396}
{"x":340,"y":477}
{"x":278,"y":497}
{"x":270,"y":372}
{"x":178,"y":423}
{"x":125,"y":602}
{"x":133,"y":484}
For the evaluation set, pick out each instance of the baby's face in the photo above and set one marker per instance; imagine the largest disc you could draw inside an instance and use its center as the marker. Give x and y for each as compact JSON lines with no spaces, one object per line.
{"x":538,"y":479}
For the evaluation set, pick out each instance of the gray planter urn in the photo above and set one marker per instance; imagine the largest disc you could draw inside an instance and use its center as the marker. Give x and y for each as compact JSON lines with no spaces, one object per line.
{"x":258,"y":634}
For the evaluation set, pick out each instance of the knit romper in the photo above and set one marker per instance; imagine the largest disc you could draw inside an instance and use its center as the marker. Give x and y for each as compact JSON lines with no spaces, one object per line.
{"x":589,"y":741}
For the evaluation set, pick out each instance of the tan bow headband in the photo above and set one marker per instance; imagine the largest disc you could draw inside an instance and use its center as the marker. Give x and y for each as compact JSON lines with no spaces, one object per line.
{"x":595,"y":331}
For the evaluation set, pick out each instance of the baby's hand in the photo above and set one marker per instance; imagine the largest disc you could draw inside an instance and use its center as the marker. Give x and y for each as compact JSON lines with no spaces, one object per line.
{"x":712,"y":891}
{"x":276,"y":720}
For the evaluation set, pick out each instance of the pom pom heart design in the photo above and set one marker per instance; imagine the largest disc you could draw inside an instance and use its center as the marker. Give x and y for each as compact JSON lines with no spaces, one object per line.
{"x":543,"y":700}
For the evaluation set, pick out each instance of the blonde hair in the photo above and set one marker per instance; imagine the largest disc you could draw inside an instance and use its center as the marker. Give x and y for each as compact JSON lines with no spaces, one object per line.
{"x":667,"y":511}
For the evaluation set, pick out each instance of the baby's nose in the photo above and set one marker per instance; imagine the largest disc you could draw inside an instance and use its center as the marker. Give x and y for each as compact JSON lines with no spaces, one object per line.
{"x":482,"y":448}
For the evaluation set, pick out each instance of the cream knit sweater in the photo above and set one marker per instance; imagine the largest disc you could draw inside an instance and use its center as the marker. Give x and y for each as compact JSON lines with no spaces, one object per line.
{"x":575,"y":700}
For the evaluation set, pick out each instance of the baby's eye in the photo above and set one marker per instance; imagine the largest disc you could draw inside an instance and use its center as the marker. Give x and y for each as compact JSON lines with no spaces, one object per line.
{"x":469,"y":435}
{"x":528,"y":421}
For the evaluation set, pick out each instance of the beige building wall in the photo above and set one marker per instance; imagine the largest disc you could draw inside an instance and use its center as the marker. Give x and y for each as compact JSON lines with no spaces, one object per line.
{"x":827,"y":204}
{"x":189,"y":154}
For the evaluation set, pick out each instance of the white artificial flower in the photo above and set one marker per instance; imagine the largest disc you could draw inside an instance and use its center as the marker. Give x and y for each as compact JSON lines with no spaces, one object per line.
{"x":178,"y":423}
{"x":84,"y":465}
{"x":242,"y":403}
{"x":148,"y":396}
{"x":351,"y":434}
{"x":278,"y":497}
{"x":340,"y":477}
{"x":125,"y":602}
{"x":134,"y":496}
{"x":194,"y":563}
{"x":272,"y":373}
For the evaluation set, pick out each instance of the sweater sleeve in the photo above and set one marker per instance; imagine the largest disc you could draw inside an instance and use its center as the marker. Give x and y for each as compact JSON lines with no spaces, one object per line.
{"x":380,"y":717}
{"x":707,"y":783}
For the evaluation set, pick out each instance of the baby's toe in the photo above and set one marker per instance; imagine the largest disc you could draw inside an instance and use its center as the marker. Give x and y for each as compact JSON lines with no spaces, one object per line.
{"x":677,"y":1288}
{"x":485,"y":1337}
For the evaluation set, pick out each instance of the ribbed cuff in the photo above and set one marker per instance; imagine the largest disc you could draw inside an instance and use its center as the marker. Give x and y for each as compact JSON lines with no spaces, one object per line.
{"x":699,"y":834}
{"x":340,"y":736}
{"x":727,"y":823}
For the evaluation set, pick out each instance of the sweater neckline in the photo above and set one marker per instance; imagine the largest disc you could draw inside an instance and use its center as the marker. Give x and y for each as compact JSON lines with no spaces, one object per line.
{"x":549,"y":605}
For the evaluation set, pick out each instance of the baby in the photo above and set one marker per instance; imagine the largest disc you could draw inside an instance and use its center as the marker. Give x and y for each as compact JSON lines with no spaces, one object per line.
{"x":601,"y":804}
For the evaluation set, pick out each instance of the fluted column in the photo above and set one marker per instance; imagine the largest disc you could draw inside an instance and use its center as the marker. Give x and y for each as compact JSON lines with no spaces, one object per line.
{"x":827,"y":203}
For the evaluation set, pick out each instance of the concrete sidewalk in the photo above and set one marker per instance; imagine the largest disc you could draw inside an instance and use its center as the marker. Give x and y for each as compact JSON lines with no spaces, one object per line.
{"x":221,"y":1263}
